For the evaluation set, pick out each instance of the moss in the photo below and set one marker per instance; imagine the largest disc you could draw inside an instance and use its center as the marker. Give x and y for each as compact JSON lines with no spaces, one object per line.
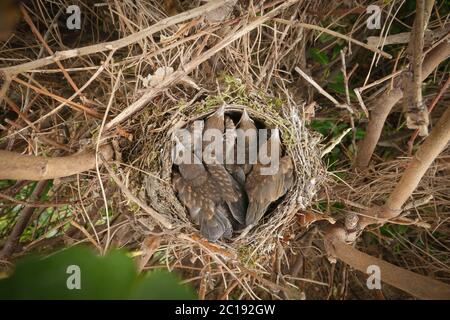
{"x":233,"y":91}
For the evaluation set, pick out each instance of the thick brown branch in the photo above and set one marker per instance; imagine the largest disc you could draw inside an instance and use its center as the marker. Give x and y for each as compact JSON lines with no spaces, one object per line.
{"x":415,"y":284}
{"x":382,"y":107}
{"x":419,"y":164}
{"x":25,"y":167}
{"x":388,"y":100}
{"x":416,"y":113}
{"x":433,"y":103}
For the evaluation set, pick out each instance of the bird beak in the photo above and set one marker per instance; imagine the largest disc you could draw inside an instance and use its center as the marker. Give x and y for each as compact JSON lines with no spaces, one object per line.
{"x":221,"y":111}
{"x":245,"y":117}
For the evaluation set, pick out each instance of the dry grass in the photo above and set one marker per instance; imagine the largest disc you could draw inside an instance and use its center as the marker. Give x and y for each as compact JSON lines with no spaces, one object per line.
{"x":279,"y":259}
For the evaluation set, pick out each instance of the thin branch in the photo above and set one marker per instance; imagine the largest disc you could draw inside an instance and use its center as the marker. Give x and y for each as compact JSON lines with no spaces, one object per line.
{"x":71,"y":104}
{"x":335,"y":34}
{"x":322,"y":91}
{"x":38,"y":35}
{"x":416,"y":112}
{"x":433,"y":145}
{"x":116,"y":44}
{"x":192,"y":65}
{"x":383,"y":105}
{"x":21,"y":223}
{"x":415,"y":284}
{"x":25,"y":167}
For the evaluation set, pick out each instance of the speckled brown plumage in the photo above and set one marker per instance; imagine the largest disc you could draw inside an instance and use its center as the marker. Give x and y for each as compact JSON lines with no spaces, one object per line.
{"x":213,"y":197}
{"x":248,"y":127}
{"x":262,"y":189}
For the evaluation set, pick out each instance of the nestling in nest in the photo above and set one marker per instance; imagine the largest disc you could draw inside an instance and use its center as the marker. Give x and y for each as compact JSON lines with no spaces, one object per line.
{"x":229,"y":173}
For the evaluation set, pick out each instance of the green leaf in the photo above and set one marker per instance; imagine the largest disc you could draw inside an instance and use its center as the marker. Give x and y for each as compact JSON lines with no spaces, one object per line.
{"x":322,"y":126}
{"x":320,"y":57}
{"x":390,"y":230}
{"x":107,"y":277}
{"x":112,"y":276}
{"x":161,"y":284}
{"x":325,"y":37}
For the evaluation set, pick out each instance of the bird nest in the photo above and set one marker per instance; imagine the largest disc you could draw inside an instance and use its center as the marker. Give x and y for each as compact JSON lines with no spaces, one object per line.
{"x":254,"y":247}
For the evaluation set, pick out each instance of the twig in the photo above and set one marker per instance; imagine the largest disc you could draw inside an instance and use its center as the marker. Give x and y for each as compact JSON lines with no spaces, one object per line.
{"x":46,"y":46}
{"x":25,"y":167}
{"x":97,"y":154}
{"x":361,"y":102}
{"x":430,"y":108}
{"x":68,"y":100}
{"x":71,"y":104}
{"x":381,"y":80}
{"x":405,"y":37}
{"x":335,"y":34}
{"x":22,"y":221}
{"x":335,"y":142}
{"x":5,"y":87}
{"x":36,"y":204}
{"x":383,"y":105}
{"x":322,"y":91}
{"x":417,"y":285}
{"x":347,"y":96}
{"x":43,"y":139}
{"x":155,"y":215}
{"x":192,"y":65}
{"x":344,"y":73}
{"x":116,"y":44}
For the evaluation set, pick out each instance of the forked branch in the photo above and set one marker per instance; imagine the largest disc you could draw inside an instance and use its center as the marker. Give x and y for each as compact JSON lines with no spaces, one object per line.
{"x":415,"y":284}
{"x":383,"y":106}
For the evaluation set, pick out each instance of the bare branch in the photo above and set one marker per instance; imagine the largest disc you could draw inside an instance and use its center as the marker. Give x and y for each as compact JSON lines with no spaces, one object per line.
{"x":22,"y":222}
{"x":416,"y":112}
{"x":415,"y":284}
{"x":25,"y":167}
{"x":116,"y":44}
{"x":191,"y":65}
{"x":382,"y":106}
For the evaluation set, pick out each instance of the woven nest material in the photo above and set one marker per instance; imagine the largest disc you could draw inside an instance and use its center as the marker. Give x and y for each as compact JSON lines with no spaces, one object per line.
{"x":261,"y":56}
{"x":252,"y":248}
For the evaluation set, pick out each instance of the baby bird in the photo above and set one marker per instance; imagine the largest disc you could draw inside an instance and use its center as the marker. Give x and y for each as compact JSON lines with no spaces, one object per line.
{"x":229,"y":189}
{"x":247,"y":133}
{"x":214,"y":199}
{"x":263,"y":189}
{"x":205,"y":207}
{"x":230,"y":150}
{"x":216,"y":120}
{"x":200,"y":192}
